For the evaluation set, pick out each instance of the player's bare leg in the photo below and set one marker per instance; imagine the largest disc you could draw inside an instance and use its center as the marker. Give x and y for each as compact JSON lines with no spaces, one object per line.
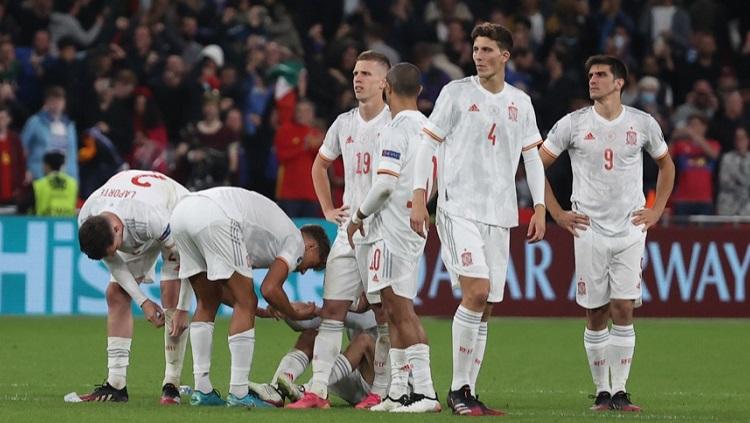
{"x":174,"y":346}
{"x":409,"y":353}
{"x":620,"y":353}
{"x":208,"y":295}
{"x":119,"y":336}
{"x":596,"y":341}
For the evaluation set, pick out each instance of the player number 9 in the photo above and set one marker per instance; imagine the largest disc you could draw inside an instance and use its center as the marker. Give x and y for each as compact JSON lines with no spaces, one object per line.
{"x":609,"y":157}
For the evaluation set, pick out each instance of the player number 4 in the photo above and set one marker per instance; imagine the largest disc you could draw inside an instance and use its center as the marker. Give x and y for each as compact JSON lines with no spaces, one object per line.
{"x":491,"y":136}
{"x":609,"y":157}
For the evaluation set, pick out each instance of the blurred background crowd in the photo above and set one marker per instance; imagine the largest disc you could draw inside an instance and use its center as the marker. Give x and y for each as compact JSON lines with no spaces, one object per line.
{"x":240,"y":92}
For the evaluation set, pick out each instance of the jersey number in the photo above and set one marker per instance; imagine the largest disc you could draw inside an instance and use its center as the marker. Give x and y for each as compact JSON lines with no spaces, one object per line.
{"x":137,"y":179}
{"x":363,"y":163}
{"x":491,"y":135}
{"x":375,"y":264}
{"x":609,"y":157}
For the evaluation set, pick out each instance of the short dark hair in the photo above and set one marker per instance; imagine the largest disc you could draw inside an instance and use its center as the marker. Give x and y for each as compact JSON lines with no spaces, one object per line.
{"x":95,"y":236}
{"x":405,"y":79}
{"x":374,"y":56}
{"x":54,"y":159}
{"x":54,"y":91}
{"x":317,"y":233}
{"x":616,"y":66}
{"x":500,"y":34}
{"x":698,"y":116}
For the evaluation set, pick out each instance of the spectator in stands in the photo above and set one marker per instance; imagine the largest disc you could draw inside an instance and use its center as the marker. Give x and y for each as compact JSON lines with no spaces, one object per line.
{"x":117,"y":124}
{"x":50,"y":130}
{"x":150,"y":144}
{"x":35,"y":62}
{"x":555,"y":91}
{"x":297,"y":144}
{"x":236,"y":152}
{"x":700,"y":100}
{"x":696,"y":158}
{"x":663,"y":22}
{"x":173,"y":97}
{"x":66,"y":25}
{"x":458,"y":48}
{"x":649,"y":101}
{"x":438,"y":14}
{"x":10,"y":67}
{"x":702,"y":62}
{"x":607,"y":21}
{"x":433,"y":78}
{"x":732,"y":116}
{"x":734,"y":177}
{"x":55,"y":194}
{"x":143,"y":58}
{"x":12,"y":161}
{"x":31,"y":17}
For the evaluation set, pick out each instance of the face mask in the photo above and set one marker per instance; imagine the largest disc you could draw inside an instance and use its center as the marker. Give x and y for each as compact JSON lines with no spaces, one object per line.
{"x":619,"y":41}
{"x":648,"y":97}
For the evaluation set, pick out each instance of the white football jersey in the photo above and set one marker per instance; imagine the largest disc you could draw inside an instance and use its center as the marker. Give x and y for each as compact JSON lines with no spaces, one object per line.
{"x":607,"y":162}
{"x":143,"y":200}
{"x":356,"y":140}
{"x":399,"y":141}
{"x":482,"y":136}
{"x":268,"y":233}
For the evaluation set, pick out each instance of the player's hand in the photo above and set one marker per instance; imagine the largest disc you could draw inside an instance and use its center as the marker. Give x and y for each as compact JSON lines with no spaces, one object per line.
{"x":572,"y":221}
{"x":338,"y":216}
{"x":179,"y":323}
{"x":153,"y":313}
{"x":352,"y":229}
{"x":646,"y":217}
{"x":537,"y":225}
{"x":304,"y":311}
{"x":419,"y":219}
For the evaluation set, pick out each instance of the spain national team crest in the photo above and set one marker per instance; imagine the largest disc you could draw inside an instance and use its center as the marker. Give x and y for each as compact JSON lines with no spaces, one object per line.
{"x":581,"y":287}
{"x":466,"y":259}
{"x":349,"y":140}
{"x":631,"y":137}
{"x":513,"y":112}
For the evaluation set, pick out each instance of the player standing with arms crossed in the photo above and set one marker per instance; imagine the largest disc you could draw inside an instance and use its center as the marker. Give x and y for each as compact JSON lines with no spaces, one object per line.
{"x":394,"y":256}
{"x":609,"y":219}
{"x":482,"y":126}
{"x":125,"y":223}
{"x":354,"y":136}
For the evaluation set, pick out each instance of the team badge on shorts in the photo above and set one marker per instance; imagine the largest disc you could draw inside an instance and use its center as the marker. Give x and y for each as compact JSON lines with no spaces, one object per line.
{"x":466,"y":259}
{"x":581,"y":287}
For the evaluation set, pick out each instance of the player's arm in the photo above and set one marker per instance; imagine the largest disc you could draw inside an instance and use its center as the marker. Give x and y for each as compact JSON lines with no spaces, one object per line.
{"x":534,"y":167}
{"x":566,"y":219}
{"x":423,"y":167}
{"x":273,"y":291}
{"x":328,"y":152}
{"x":382,"y":188}
{"x":125,"y":279}
{"x":664,"y":185}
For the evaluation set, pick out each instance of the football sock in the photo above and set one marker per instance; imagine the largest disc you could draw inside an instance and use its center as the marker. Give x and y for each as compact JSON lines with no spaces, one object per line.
{"x":292,"y":365}
{"x":118,"y":358}
{"x":620,"y":355}
{"x":465,"y":333}
{"x":174,"y":350}
{"x":241,"y":346}
{"x":341,"y":368}
{"x":595,"y":342}
{"x":476,"y":362}
{"x":327,"y":347}
{"x":382,"y":362}
{"x":418,"y":356}
{"x":201,"y":340}
{"x":399,"y":373}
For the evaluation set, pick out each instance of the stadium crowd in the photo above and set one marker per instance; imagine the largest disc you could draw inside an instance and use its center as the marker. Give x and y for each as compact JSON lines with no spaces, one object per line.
{"x":239,"y":92}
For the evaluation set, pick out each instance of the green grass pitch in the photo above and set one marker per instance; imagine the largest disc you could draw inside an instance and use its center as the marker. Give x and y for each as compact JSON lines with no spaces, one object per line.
{"x":684,"y":370}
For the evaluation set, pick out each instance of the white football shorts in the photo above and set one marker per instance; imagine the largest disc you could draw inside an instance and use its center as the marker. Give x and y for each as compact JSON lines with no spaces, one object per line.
{"x":608,"y":268}
{"x":208,"y":240}
{"x":346,"y":272}
{"x":385,"y":268}
{"x":474,"y":250}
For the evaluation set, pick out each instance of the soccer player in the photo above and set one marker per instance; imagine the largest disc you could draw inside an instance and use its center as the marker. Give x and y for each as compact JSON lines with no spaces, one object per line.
{"x":353,"y":135}
{"x":353,"y":370}
{"x":482,"y":126}
{"x":125,"y":223}
{"x":609,"y":218}
{"x":222,"y":234}
{"x":394,"y":256}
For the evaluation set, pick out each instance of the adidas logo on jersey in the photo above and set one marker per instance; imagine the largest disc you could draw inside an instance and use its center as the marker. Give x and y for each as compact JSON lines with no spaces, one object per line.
{"x":589,"y":137}
{"x":473,"y":108}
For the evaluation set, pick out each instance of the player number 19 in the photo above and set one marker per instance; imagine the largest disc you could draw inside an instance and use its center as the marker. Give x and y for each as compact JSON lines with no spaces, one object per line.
{"x":363,"y":163}
{"x":609,"y":157}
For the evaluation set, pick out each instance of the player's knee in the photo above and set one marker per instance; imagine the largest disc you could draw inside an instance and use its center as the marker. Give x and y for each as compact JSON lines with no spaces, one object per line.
{"x":334,"y":310}
{"x":117,"y":298}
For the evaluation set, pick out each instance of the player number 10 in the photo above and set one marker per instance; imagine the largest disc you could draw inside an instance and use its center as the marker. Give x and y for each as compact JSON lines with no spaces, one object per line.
{"x":363,"y":163}
{"x":609,"y":157}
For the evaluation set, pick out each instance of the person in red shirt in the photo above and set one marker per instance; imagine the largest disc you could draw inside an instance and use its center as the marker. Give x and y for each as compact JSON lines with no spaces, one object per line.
{"x":696,"y":158}
{"x":297,"y":144}
{"x":12,"y":161}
